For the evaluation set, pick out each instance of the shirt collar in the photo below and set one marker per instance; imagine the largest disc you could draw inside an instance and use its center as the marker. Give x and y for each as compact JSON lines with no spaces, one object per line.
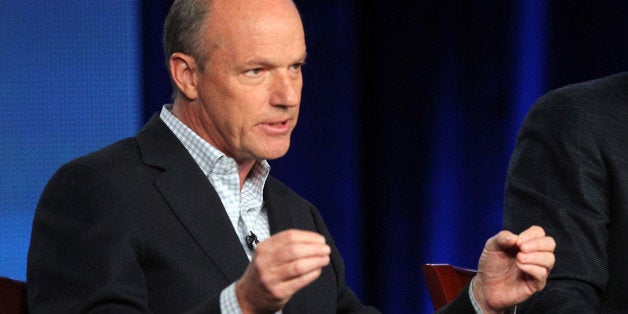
{"x":208,"y":158}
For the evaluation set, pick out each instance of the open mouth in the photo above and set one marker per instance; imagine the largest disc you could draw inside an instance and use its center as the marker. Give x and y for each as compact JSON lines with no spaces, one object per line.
{"x":278,"y":123}
{"x":276,"y":128}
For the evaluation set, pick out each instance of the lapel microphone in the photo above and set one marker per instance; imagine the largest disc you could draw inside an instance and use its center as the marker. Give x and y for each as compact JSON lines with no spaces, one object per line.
{"x":251,"y":241}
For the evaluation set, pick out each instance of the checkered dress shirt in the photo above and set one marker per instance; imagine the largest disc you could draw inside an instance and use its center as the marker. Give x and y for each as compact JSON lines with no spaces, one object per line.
{"x":245,"y":207}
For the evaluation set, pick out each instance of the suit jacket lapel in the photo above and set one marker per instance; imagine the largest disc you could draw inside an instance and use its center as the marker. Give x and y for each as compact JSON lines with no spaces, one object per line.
{"x":279,"y":214}
{"x":281,"y":217}
{"x":192,"y":198}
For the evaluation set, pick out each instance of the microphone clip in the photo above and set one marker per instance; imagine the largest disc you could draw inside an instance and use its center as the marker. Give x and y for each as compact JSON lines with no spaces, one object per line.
{"x":251,"y":241}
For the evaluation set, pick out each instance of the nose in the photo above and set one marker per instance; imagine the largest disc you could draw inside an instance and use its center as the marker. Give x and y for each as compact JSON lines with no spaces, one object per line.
{"x":286,"y":89}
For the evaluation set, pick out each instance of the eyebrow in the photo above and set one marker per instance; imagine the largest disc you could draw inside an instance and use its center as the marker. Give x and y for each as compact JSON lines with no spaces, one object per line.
{"x":267,"y":63}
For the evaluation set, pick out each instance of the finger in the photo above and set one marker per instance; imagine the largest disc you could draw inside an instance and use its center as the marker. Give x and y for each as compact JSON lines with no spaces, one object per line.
{"x":541,"y":259}
{"x":537,"y":273}
{"x":291,"y":286}
{"x":532,"y":233}
{"x":543,"y":244}
{"x":501,"y":241}
{"x":301,"y":267}
{"x":282,"y":254}
{"x":288,"y":279}
{"x":298,"y":236}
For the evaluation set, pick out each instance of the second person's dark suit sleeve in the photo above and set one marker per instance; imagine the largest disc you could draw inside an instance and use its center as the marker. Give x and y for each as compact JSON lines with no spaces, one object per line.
{"x":557,"y":179}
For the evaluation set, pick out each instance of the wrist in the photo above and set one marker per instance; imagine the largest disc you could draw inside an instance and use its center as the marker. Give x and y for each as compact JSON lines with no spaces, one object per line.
{"x":477,"y":289}
{"x":250,"y":305}
{"x":242,"y":302}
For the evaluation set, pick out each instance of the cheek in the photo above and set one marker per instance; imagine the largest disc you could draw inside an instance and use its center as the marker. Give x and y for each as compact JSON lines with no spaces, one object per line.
{"x":240,"y":106}
{"x":253,"y":103}
{"x":231,"y":103}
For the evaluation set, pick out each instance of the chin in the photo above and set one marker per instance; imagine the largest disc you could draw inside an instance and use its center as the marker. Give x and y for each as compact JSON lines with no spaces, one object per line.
{"x":275,"y":153}
{"x":266,"y":148}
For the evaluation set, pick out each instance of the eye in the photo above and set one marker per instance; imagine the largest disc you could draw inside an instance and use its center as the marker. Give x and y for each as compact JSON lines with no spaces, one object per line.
{"x":254,"y":72}
{"x":296,"y":66}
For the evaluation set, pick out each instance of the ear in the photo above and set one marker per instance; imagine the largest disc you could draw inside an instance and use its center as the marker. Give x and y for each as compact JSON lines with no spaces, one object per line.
{"x":183,"y":71}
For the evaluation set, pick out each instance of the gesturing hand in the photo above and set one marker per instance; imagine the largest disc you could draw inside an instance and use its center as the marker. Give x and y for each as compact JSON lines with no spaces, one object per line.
{"x":512,"y":268}
{"x":281,"y":266}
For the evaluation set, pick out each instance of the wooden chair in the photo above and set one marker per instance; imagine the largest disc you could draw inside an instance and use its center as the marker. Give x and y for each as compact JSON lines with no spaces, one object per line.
{"x":13,"y":296}
{"x":445,"y":281}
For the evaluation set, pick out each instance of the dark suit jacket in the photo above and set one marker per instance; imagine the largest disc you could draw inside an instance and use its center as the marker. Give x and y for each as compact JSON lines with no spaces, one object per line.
{"x":569,"y":174}
{"x":137,"y":227}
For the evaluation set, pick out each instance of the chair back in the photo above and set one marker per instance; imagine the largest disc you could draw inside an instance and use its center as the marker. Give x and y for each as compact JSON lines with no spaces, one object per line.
{"x":13,"y":296}
{"x":444,"y":282}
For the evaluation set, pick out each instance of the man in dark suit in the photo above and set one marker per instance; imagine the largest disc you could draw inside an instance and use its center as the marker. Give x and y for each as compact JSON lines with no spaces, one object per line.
{"x":569,"y":174}
{"x":184,"y":216}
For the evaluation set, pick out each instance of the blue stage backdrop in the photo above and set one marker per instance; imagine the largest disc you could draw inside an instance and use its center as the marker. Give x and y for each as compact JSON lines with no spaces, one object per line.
{"x":409,"y":114}
{"x":70,"y":83}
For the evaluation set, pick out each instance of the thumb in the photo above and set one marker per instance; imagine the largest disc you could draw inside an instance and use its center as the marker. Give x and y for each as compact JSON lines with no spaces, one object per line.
{"x":502,"y":241}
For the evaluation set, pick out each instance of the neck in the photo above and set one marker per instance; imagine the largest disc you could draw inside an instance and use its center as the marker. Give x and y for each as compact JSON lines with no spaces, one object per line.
{"x":243,"y":170}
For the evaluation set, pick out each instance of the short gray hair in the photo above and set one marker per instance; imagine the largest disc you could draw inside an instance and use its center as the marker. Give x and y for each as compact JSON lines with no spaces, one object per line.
{"x":182,"y":29}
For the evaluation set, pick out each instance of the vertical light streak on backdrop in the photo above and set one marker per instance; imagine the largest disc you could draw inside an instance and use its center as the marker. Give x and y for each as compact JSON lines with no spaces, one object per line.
{"x":69,"y":80}
{"x":443,"y":192}
{"x":529,"y":73}
{"x":445,"y":168}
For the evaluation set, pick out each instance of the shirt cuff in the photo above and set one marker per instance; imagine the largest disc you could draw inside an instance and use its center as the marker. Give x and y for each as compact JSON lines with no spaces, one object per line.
{"x":229,"y":301}
{"x":474,"y":302}
{"x":476,"y":306}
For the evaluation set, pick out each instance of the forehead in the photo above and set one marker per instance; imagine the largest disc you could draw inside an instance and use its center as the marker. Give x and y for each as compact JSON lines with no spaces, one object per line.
{"x":261,"y":27}
{"x":251,"y":33}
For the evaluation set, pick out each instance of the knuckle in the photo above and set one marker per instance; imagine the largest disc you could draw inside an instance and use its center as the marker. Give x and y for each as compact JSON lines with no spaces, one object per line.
{"x":291,"y":236}
{"x":293,"y":250}
{"x":298,"y":267}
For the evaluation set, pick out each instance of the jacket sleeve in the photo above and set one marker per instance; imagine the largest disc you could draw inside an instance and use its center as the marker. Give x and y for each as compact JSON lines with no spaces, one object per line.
{"x":557,"y":179}
{"x":82,"y":255}
{"x":87,"y":252}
